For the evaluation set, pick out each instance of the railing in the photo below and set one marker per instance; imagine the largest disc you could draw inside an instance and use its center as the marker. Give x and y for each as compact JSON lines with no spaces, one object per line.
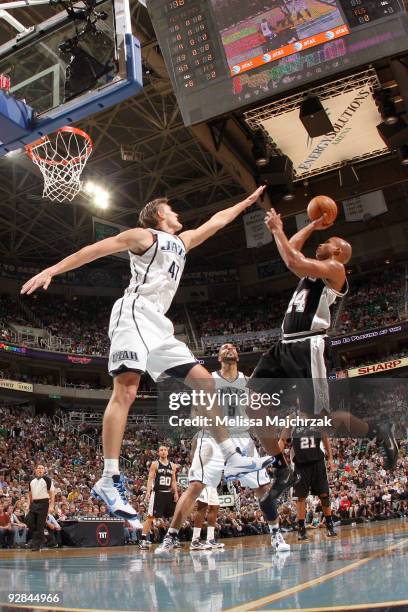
{"x":191,"y":332}
{"x":29,"y":314}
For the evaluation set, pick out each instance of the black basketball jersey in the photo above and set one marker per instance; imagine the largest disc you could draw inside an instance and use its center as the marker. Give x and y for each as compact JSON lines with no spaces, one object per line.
{"x":306,"y":446}
{"x":162,"y":482}
{"x":309,"y":308}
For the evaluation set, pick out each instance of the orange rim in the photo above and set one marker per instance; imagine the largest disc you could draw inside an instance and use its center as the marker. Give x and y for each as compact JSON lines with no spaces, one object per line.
{"x":65,"y":162}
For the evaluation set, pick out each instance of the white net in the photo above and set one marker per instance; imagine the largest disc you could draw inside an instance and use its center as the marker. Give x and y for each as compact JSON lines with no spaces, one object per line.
{"x":61,"y":158}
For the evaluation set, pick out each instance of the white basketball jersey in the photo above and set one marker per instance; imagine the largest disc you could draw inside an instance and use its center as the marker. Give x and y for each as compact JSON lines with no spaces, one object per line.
{"x":232,"y":391}
{"x":156,"y":274}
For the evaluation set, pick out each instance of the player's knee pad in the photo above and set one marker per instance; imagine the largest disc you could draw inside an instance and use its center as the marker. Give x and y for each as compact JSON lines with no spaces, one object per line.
{"x":325,"y":499}
{"x":269,"y":507}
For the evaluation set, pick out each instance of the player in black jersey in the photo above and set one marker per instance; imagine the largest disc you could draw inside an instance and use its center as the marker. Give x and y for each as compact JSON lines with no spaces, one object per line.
{"x":161,"y":492}
{"x":300,"y":353}
{"x":310,"y":465}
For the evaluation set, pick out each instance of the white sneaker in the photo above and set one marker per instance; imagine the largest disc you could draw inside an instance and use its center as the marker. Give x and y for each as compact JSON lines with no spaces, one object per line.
{"x":111,"y":490}
{"x":215,"y":544}
{"x":237,"y":465}
{"x":166,"y":546}
{"x":135,"y":523}
{"x":198,"y":545}
{"x":278,"y":542}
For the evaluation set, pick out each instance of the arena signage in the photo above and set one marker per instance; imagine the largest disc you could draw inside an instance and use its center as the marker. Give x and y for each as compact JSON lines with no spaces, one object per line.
{"x":354,"y":116}
{"x":256,"y":232}
{"x":49,"y":355}
{"x":384,"y":366}
{"x":102,"y":534}
{"x":16,"y":385}
{"x":227,"y":500}
{"x":369,"y":335}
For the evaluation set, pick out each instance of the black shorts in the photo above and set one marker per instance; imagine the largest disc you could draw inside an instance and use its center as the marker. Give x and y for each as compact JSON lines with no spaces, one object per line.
{"x":303,"y":360}
{"x":161,"y":504}
{"x":313,"y":479}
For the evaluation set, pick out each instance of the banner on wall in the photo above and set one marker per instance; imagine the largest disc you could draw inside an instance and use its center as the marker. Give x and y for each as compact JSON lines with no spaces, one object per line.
{"x":354,"y":116}
{"x":302,"y":220}
{"x":256,"y":232}
{"x":365,"y":207}
{"x":375,"y":368}
{"x":196,"y":293}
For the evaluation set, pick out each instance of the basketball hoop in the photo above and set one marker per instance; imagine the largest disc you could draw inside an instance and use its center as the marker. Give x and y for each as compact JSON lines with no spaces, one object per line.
{"x":61,"y":157}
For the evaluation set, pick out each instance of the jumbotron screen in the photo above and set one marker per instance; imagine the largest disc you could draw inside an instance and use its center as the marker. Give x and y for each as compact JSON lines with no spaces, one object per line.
{"x":225,"y":54}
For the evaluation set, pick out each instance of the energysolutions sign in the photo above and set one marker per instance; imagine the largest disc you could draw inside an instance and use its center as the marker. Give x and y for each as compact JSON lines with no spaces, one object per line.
{"x":375,"y":368}
{"x":354,"y":116}
{"x":16,"y":385}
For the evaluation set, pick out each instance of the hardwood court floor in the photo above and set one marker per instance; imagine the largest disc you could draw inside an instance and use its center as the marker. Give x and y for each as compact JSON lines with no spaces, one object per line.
{"x":364,"y":568}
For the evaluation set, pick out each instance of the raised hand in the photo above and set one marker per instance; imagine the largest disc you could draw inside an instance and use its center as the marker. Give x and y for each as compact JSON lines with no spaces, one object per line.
{"x":273,"y":221}
{"x":321,"y":223}
{"x":251,"y":199}
{"x":43,"y":279}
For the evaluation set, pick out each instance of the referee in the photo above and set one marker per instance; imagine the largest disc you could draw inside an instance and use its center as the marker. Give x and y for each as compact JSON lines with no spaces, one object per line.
{"x":42,"y":496}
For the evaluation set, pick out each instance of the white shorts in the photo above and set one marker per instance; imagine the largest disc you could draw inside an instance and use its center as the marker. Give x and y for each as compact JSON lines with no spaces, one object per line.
{"x":209,"y":496}
{"x":208,"y":462}
{"x":142,"y":339}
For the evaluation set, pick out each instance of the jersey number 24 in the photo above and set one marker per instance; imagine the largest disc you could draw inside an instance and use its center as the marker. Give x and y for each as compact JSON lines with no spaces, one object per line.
{"x":298,"y":301}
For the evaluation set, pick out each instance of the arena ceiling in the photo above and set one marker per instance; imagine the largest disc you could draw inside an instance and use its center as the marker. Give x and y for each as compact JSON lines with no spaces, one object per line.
{"x":185,"y":164}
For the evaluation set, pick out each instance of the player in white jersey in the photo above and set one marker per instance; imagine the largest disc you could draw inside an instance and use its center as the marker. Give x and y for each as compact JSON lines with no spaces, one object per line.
{"x":207,"y":466}
{"x":142,"y":338}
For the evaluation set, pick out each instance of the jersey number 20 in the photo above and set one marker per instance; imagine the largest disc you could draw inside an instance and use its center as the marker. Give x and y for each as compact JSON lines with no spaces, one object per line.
{"x":165,"y":481}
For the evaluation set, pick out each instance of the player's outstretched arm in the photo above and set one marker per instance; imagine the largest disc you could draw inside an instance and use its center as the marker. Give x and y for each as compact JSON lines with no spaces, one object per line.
{"x":133,"y":239}
{"x":193,"y":238}
{"x":294,"y":260}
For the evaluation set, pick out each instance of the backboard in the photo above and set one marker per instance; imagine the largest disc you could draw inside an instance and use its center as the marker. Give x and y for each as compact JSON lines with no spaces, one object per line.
{"x":81,"y":60}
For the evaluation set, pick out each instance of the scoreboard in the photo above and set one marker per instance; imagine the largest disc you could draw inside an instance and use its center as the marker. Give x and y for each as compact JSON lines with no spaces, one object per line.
{"x":224,"y":54}
{"x":360,"y":12}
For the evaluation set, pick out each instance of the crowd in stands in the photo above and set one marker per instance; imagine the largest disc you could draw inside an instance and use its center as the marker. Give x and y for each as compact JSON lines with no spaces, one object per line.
{"x":82,"y":321}
{"x":374,"y":300}
{"x":361,"y":488}
{"x":367,"y":358}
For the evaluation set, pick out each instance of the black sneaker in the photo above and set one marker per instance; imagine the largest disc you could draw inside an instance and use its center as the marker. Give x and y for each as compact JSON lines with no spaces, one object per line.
{"x":330,"y":531}
{"x":285,"y":479}
{"x":302,"y":535}
{"x":177,"y":543}
{"x":385,"y":437}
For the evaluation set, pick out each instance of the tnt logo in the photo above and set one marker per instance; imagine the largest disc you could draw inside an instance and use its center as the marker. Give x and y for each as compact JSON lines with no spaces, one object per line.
{"x":102,"y":535}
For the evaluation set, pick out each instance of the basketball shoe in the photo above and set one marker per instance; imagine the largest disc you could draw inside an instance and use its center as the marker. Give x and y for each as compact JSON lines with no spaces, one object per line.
{"x":111,"y":490}
{"x":166,"y":546}
{"x":278,"y":542}
{"x":215,"y":544}
{"x":285,"y":478}
{"x":302,"y":535}
{"x":236,"y":465}
{"x":330,"y":531}
{"x":198,"y":545}
{"x":386,"y":439}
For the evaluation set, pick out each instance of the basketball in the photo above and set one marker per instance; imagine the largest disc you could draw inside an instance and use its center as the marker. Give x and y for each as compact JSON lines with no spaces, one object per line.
{"x":322,"y":206}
